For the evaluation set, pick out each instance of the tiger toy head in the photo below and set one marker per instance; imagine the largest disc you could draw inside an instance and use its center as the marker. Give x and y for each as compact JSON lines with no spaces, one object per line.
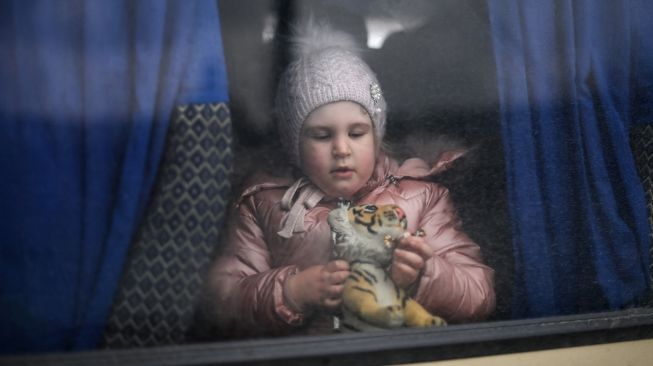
{"x":367,"y":232}
{"x":373,"y":221}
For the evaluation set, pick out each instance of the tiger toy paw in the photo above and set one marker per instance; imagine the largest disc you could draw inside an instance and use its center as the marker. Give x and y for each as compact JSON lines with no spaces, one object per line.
{"x":430,"y":321}
{"x":391,"y":316}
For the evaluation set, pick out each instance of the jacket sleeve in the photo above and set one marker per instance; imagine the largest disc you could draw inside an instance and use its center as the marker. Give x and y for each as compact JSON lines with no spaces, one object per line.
{"x":455,"y":284}
{"x":246,"y":295}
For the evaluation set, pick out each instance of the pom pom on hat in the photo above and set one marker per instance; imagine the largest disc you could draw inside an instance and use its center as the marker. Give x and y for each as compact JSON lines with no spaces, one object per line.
{"x":313,"y":37}
{"x":326,"y":68}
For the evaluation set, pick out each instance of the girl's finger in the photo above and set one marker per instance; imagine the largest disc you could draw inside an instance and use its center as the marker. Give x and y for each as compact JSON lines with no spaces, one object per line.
{"x":416,"y":245}
{"x":337,"y":265}
{"x":408,"y":258}
{"x":403,"y":275}
{"x":337,"y":278}
{"x":334,"y":292}
{"x":332,"y":303}
{"x":405,"y":270}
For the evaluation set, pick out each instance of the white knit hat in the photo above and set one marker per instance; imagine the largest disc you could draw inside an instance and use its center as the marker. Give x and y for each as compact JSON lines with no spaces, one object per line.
{"x":326,"y":69}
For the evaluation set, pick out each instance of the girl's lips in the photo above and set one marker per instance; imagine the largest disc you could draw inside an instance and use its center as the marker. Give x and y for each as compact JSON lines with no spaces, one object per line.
{"x":343,"y":172}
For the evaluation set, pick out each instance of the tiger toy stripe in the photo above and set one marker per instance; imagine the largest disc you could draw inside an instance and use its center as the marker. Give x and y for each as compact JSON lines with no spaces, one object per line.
{"x":365,"y":235}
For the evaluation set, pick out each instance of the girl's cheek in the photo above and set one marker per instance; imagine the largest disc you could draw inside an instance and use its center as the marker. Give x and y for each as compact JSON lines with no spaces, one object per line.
{"x":312,"y":159}
{"x":309,"y":166}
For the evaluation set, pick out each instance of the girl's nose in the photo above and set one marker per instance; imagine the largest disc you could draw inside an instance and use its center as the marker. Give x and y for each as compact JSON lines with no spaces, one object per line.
{"x":341,"y":148}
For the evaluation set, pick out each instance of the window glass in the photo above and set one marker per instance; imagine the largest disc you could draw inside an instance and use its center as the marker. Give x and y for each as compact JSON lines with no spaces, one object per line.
{"x":446,"y":74}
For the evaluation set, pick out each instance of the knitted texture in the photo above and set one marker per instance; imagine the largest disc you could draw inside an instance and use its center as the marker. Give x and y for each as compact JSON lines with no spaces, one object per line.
{"x":329,"y":75}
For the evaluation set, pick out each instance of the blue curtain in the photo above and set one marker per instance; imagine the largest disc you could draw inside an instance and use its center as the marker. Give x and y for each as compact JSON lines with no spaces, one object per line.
{"x":573,"y":75}
{"x":87,"y":89}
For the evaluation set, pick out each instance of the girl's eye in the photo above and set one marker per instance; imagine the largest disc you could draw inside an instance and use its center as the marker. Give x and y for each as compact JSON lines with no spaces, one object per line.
{"x":321,"y":136}
{"x":357,"y":134}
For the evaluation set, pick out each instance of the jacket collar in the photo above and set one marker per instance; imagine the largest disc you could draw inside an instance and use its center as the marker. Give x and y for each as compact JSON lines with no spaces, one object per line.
{"x":301,"y":195}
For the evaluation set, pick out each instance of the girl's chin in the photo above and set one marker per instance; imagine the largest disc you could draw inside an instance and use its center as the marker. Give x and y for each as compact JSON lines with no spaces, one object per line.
{"x":344,"y":192}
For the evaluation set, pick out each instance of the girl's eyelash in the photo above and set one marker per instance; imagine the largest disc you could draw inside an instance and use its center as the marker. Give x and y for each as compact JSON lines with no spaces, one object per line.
{"x":326,"y":136}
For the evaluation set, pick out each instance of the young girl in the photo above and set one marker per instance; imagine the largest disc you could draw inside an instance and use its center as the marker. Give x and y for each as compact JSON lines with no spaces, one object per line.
{"x":276,"y":275}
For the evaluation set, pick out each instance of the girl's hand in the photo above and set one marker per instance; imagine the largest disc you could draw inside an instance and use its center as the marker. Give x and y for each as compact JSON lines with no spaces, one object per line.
{"x":319,"y":286}
{"x":409,"y":259}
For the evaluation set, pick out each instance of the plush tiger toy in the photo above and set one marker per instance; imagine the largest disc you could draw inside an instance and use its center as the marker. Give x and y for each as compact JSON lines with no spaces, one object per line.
{"x":365,"y":236}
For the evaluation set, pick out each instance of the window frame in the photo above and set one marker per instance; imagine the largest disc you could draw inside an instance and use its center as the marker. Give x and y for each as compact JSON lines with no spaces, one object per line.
{"x":382,"y":347}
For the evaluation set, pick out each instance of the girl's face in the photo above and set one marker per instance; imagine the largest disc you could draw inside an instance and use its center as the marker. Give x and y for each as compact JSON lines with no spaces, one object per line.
{"x":337,"y":149}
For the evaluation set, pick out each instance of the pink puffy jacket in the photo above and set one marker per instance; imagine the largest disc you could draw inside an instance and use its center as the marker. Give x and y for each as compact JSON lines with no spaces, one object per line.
{"x":246,"y":281}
